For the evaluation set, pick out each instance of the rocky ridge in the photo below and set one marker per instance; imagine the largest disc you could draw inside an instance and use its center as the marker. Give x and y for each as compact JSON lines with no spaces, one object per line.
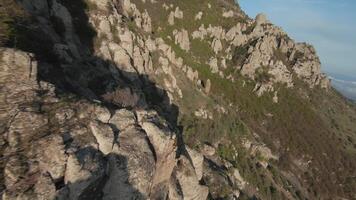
{"x":93,"y":115}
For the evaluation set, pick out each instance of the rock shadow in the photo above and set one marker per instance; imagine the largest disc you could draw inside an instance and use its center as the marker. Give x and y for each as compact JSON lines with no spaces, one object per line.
{"x":73,"y":68}
{"x":99,"y":183}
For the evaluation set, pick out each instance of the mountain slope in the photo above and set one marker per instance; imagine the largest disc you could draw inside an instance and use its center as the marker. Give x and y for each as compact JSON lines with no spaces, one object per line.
{"x":166,"y":100}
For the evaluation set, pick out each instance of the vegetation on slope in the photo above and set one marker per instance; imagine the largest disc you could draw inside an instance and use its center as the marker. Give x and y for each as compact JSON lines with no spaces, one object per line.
{"x":302,"y":125}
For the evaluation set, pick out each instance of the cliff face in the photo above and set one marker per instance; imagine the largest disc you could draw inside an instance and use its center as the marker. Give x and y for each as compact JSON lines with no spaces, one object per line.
{"x":153,"y":99}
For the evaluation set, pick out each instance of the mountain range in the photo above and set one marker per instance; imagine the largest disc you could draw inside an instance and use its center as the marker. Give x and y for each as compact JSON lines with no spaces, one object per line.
{"x":166,"y":99}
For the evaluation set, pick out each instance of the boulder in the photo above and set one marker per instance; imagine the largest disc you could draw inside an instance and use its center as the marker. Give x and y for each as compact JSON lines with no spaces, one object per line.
{"x":178,"y":13}
{"x":198,"y":16}
{"x":189,"y":182}
{"x":171,"y":18}
{"x":207,"y":86}
{"x":104,"y":137}
{"x":51,"y":156}
{"x":213,"y":63}
{"x":261,"y":19}
{"x":228,"y":14}
{"x":197,"y":160}
{"x":123,"y":119}
{"x":216,"y":45}
{"x":181,"y":38}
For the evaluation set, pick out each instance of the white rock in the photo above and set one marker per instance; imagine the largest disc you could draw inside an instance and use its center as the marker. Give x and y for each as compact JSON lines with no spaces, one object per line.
{"x":104,"y":136}
{"x":213,"y":63}
{"x":198,"y":16}
{"x":201,"y":33}
{"x":241,"y":183}
{"x":207,"y":86}
{"x":216,"y":45}
{"x":146,"y":22}
{"x":198,"y":160}
{"x":261,"y":19}
{"x":123,"y":119}
{"x":223,"y":63}
{"x":182,"y":39}
{"x":228,"y":14}
{"x":178,"y":13}
{"x":171,"y":18}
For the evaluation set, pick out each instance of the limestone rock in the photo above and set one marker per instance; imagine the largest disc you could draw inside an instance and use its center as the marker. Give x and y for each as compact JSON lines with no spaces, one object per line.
{"x":275,"y":97}
{"x":208,"y":150}
{"x":146,"y":22}
{"x":228,"y":14}
{"x":202,"y":113}
{"x":198,"y":16}
{"x":281,"y":74}
{"x":151,"y":44}
{"x":163,"y":142}
{"x":123,"y":119}
{"x":102,"y":114}
{"x":178,"y":13}
{"x":53,"y":159}
{"x":189,"y":182}
{"x":130,"y":172}
{"x":261,"y":19}
{"x":216,"y":32}
{"x":192,"y":75}
{"x":171,"y":18}
{"x":18,"y":80}
{"x":85,"y":168}
{"x":216,"y":46}
{"x":217,"y":177}
{"x":45,"y":188}
{"x":197,"y":160}
{"x":208,"y":86}
{"x":104,"y":137}
{"x":201,"y":33}
{"x":164,"y":5}
{"x":213,"y":63}
{"x":240,"y":182}
{"x":309,"y":68}
{"x":182,"y":39}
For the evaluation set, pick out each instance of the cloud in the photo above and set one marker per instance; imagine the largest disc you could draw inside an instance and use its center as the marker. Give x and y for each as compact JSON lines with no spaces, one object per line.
{"x":346,"y":88}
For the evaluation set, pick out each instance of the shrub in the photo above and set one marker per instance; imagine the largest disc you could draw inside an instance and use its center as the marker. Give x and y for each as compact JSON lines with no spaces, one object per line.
{"x":11,"y":14}
{"x":262,"y":75}
{"x":123,"y":97}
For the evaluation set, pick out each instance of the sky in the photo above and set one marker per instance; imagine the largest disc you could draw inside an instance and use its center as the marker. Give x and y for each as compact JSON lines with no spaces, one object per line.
{"x":329,"y":25}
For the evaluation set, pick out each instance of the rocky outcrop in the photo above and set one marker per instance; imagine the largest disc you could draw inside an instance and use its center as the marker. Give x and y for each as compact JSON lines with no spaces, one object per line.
{"x":96,"y":116}
{"x":176,"y":14}
{"x":274,"y":50}
{"x":269,"y":47}
{"x":198,"y":16}
{"x":181,"y":38}
{"x":228,"y":14}
{"x":90,"y":152}
{"x":216,"y":46}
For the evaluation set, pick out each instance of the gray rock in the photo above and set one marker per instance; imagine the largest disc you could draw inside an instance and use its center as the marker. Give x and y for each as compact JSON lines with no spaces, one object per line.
{"x":189,"y":182}
{"x":105,"y":137}
{"x":261,"y":19}
{"x":51,"y":156}
{"x":197,"y":160}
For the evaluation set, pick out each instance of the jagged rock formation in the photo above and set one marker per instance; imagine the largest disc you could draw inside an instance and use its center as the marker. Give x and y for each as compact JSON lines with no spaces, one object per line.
{"x":131,"y":99}
{"x":71,"y":150}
